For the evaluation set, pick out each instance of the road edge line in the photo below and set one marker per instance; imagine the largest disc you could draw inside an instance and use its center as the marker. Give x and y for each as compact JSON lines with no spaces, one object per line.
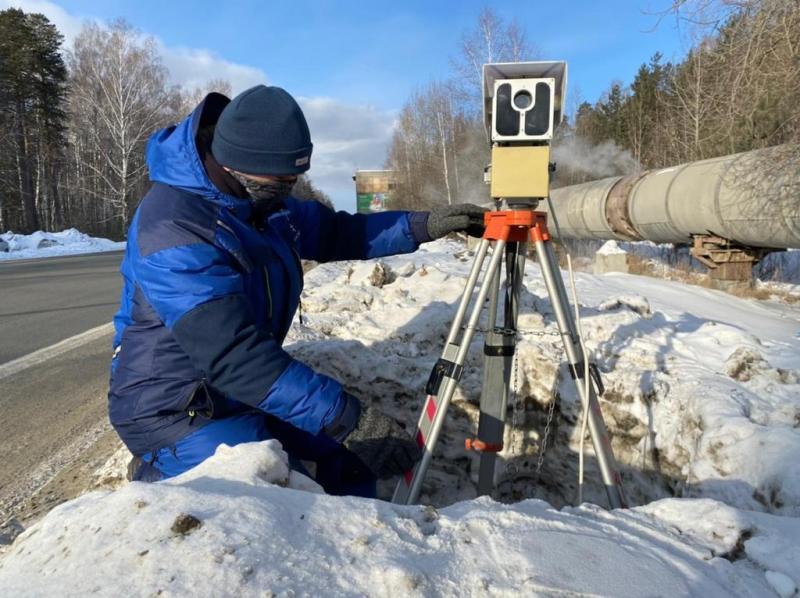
{"x":41,"y":355}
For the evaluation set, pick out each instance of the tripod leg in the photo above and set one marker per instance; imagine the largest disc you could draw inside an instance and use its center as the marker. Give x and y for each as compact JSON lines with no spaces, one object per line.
{"x":447,"y":373}
{"x":569,"y":334}
{"x":498,"y":352}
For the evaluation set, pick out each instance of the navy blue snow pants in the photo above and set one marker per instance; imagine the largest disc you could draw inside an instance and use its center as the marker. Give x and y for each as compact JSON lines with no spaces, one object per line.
{"x":338,"y":470}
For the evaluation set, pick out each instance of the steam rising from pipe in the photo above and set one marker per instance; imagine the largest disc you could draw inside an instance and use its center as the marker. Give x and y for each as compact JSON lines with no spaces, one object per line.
{"x":596,"y":161}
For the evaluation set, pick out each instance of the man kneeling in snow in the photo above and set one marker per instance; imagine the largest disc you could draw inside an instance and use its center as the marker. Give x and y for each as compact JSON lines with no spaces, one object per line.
{"x":212,"y":280}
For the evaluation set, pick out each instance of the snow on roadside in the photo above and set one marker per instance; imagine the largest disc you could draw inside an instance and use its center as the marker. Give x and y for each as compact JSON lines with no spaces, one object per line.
{"x":703,"y":401}
{"x":113,"y":473}
{"x":703,"y":388}
{"x":241,"y":524}
{"x":768,"y":542}
{"x":44,"y":244}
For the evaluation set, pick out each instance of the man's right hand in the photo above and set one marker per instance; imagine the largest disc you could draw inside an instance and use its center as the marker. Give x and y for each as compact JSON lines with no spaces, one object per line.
{"x":463,"y":217}
{"x":381,"y":444}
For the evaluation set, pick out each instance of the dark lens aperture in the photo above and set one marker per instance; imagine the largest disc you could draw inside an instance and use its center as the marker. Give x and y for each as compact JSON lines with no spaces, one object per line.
{"x":523,"y":100}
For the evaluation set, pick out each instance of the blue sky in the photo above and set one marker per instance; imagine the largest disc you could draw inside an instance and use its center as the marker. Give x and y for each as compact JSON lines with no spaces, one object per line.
{"x":353,"y":64}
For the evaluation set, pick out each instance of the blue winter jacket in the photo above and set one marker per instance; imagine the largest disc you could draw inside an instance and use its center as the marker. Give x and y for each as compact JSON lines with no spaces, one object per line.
{"x":209,"y":295}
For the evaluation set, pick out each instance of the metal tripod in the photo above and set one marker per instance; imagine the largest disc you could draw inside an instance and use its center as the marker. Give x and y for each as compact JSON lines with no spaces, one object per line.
{"x":509,"y":232}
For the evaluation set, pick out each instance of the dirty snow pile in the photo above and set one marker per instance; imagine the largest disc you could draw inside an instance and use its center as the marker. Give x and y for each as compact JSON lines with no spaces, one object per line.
{"x":702,"y":388}
{"x":703,"y":405}
{"x":44,"y":244}
{"x":242,"y":524}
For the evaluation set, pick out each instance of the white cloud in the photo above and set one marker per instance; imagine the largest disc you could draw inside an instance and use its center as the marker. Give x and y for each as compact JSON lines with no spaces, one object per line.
{"x":193,"y":67}
{"x":346,"y":137}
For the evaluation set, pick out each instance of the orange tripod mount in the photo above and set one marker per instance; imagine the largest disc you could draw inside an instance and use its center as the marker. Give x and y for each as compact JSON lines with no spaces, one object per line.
{"x":516,"y":226}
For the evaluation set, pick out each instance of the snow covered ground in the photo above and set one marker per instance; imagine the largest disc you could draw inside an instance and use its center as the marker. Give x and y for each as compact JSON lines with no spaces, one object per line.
{"x":242,"y":524}
{"x":703,"y":388}
{"x":703,"y":404}
{"x":43,"y":244}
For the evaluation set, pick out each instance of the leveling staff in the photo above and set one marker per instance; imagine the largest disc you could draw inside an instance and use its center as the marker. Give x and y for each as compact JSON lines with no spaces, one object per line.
{"x":212,"y":280}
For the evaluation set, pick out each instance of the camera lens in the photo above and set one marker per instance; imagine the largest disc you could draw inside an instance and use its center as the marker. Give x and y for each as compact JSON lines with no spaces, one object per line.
{"x":523,"y":100}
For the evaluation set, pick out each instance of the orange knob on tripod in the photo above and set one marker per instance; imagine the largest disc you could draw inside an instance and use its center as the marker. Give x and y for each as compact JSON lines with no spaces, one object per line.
{"x":475,"y":444}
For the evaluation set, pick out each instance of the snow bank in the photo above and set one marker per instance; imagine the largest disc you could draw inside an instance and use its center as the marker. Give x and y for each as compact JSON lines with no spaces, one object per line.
{"x":43,"y":244}
{"x":702,"y":401}
{"x":611,"y":248}
{"x":239,"y":526}
{"x":702,"y":393}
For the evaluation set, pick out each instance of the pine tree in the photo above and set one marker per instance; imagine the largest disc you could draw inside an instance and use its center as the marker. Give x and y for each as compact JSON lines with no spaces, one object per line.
{"x":32,"y":120}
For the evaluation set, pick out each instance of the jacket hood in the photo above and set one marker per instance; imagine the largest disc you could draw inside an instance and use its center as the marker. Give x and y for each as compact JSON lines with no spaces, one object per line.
{"x":173,"y":158}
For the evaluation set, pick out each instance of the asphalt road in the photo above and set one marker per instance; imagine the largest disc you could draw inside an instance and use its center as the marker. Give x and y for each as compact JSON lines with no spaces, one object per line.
{"x":54,"y":419}
{"x":45,"y":301}
{"x":52,"y":415}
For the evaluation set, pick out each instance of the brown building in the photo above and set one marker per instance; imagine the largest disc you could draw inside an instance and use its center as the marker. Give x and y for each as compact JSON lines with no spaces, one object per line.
{"x":373,"y":190}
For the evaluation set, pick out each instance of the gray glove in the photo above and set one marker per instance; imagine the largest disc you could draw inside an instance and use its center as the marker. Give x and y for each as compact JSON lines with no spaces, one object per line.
{"x":463,"y":217}
{"x":381,"y":444}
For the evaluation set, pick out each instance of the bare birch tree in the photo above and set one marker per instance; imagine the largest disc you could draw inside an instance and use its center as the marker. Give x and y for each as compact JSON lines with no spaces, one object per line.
{"x":118,"y":97}
{"x":192,"y":97}
{"x":492,"y":40}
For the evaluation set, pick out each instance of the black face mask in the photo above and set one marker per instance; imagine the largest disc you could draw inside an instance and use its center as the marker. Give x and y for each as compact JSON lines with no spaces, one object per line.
{"x":265,"y":191}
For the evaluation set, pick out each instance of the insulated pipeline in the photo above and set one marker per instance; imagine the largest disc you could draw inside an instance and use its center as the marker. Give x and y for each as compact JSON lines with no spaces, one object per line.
{"x":750,"y":199}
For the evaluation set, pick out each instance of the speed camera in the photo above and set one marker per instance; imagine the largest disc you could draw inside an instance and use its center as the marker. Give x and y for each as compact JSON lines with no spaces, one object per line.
{"x":523,"y":102}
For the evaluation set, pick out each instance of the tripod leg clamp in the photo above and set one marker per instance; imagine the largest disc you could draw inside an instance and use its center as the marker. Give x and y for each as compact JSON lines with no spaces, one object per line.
{"x":498,"y":350}
{"x":443,"y":368}
{"x":477,"y":445}
{"x":577,"y":370}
